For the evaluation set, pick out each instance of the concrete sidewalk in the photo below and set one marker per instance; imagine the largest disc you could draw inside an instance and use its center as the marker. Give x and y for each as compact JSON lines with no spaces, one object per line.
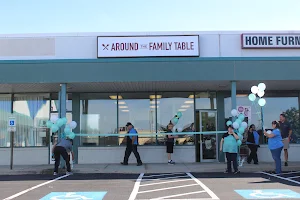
{"x":146,"y":168}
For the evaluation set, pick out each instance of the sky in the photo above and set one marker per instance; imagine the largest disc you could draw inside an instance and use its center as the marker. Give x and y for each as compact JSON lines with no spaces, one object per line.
{"x":65,"y":16}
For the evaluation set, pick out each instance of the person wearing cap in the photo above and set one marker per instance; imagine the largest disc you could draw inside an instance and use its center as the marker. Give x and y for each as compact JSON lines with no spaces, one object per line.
{"x":131,"y":146}
{"x":63,"y":148}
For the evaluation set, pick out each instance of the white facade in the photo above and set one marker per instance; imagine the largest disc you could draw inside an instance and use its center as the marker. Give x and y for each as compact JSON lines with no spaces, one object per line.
{"x":84,"y":46}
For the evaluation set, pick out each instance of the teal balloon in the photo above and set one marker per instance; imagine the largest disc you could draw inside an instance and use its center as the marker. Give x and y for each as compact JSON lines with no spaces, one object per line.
{"x":71,"y":135}
{"x":179,"y":114}
{"x":241,"y":117}
{"x":67,"y":130}
{"x":60,"y":122}
{"x":238,"y":121}
{"x":49,"y":124}
{"x":174,"y":120}
{"x":241,"y":130}
{"x":252,"y":97}
{"x":228,"y":123}
{"x":239,"y":142}
{"x":65,"y":120}
{"x":54,"y":128}
{"x":63,"y":135}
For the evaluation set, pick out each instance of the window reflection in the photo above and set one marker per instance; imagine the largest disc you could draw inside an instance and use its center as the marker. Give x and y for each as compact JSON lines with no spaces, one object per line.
{"x":98,"y":116}
{"x":168,"y":104}
{"x":206,"y":100}
{"x":139,"y":109}
{"x":273,"y":108}
{"x":5,"y":112}
{"x":32,"y":113}
{"x":55,"y":102}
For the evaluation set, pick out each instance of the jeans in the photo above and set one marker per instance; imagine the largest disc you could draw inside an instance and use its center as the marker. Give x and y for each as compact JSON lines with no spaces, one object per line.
{"x":276,"y":154}
{"x":129,"y":149}
{"x":61,"y":151}
{"x":253,"y":153}
{"x":231,"y":157}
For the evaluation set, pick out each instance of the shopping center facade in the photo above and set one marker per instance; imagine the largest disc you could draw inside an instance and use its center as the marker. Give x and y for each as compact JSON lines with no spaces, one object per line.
{"x":104,"y":80}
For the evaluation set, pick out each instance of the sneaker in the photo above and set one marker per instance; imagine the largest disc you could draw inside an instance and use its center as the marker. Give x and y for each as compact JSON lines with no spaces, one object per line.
{"x":237,"y":172}
{"x":227,"y":172}
{"x":139,"y":164}
{"x":122,"y":163}
{"x":286,"y":164}
{"x":256,"y":163}
{"x":171,"y":162}
{"x":54,"y":173}
{"x":69,"y":173}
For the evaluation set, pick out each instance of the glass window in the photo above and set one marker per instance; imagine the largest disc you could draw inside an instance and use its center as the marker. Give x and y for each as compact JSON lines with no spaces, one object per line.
{"x":98,"y":116}
{"x":139,"y":109}
{"x":206,"y":100}
{"x":32,"y":113}
{"x":168,"y":105}
{"x":55,"y":102}
{"x":5,"y":112}
{"x":273,"y":108}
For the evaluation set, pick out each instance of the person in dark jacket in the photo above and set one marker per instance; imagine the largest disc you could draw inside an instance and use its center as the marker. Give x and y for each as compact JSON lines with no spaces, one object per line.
{"x":63,"y":148}
{"x":253,"y":143}
{"x":170,"y":143}
{"x":131,"y":146}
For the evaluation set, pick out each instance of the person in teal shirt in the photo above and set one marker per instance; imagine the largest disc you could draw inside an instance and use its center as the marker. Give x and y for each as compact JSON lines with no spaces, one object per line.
{"x":229,"y":146}
{"x":275,"y":144}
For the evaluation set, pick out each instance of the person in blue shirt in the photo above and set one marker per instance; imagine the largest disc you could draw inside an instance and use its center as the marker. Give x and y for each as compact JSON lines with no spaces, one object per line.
{"x":131,"y":146}
{"x":275,"y":144}
{"x":253,"y":143}
{"x":230,"y":148}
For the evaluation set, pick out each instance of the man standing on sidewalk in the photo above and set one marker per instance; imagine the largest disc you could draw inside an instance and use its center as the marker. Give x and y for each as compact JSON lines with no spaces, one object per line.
{"x":286,"y":134}
{"x":132,"y":143}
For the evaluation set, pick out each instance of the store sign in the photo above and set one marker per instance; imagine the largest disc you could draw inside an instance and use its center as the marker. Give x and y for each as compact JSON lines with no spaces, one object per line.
{"x":270,"y":41}
{"x":148,"y":46}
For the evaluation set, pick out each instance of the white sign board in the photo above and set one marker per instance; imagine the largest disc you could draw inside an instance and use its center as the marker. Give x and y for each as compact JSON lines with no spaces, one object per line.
{"x":246,"y":111}
{"x":270,"y":41}
{"x":148,"y":46}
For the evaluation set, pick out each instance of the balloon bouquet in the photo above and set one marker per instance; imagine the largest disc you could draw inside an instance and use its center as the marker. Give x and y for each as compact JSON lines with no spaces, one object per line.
{"x":55,"y":123}
{"x":239,"y":126}
{"x":175,"y":120}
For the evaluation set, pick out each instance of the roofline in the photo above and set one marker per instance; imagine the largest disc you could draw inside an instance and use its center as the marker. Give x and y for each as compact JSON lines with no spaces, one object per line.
{"x":83,"y":34}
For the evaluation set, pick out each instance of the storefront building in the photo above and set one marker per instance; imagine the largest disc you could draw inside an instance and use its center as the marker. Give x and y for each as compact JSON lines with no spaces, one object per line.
{"x":102,"y":81}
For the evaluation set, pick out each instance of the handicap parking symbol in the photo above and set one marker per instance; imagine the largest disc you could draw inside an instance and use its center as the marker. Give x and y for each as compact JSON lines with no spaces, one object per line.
{"x":268,"y":194}
{"x":74,"y":196}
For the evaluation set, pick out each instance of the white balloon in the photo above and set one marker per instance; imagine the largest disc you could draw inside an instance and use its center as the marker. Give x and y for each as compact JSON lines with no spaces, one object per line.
{"x":269,"y":132}
{"x":254,"y":89}
{"x":53,"y":119}
{"x":261,"y":86}
{"x":234,"y":112}
{"x":179,"y":129}
{"x":244,"y":124}
{"x":262,"y":102}
{"x":260,"y":93}
{"x":73,"y":124}
{"x":235,"y":125}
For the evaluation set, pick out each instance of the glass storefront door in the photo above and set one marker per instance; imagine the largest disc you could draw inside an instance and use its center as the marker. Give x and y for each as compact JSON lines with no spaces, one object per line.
{"x":208,"y":143}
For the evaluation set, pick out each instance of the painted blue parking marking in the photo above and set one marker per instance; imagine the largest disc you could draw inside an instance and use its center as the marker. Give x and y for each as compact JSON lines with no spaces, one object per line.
{"x":75,"y":195}
{"x":268,"y":194}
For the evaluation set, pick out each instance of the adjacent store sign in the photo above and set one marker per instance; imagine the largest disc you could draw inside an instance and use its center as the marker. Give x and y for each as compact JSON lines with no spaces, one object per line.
{"x":270,"y":41}
{"x":148,"y":46}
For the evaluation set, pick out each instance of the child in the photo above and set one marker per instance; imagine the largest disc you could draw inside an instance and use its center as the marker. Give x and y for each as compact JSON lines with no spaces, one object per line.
{"x":63,"y":148}
{"x":230,"y":147}
{"x":170,"y":143}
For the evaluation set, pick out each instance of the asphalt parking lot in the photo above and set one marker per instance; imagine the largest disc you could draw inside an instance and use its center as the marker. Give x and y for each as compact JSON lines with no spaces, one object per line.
{"x":183,"y":185}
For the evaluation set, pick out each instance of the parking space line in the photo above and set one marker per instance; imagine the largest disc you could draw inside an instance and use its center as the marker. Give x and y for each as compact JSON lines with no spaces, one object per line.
{"x":157,"y":175}
{"x":167,"y":188}
{"x":294,"y":177}
{"x":211,"y":194}
{"x":178,"y":195}
{"x":144,"y":180}
{"x":35,"y":187}
{"x":290,"y":173}
{"x":136,"y":187}
{"x":283,"y":178}
{"x":165,"y":182}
